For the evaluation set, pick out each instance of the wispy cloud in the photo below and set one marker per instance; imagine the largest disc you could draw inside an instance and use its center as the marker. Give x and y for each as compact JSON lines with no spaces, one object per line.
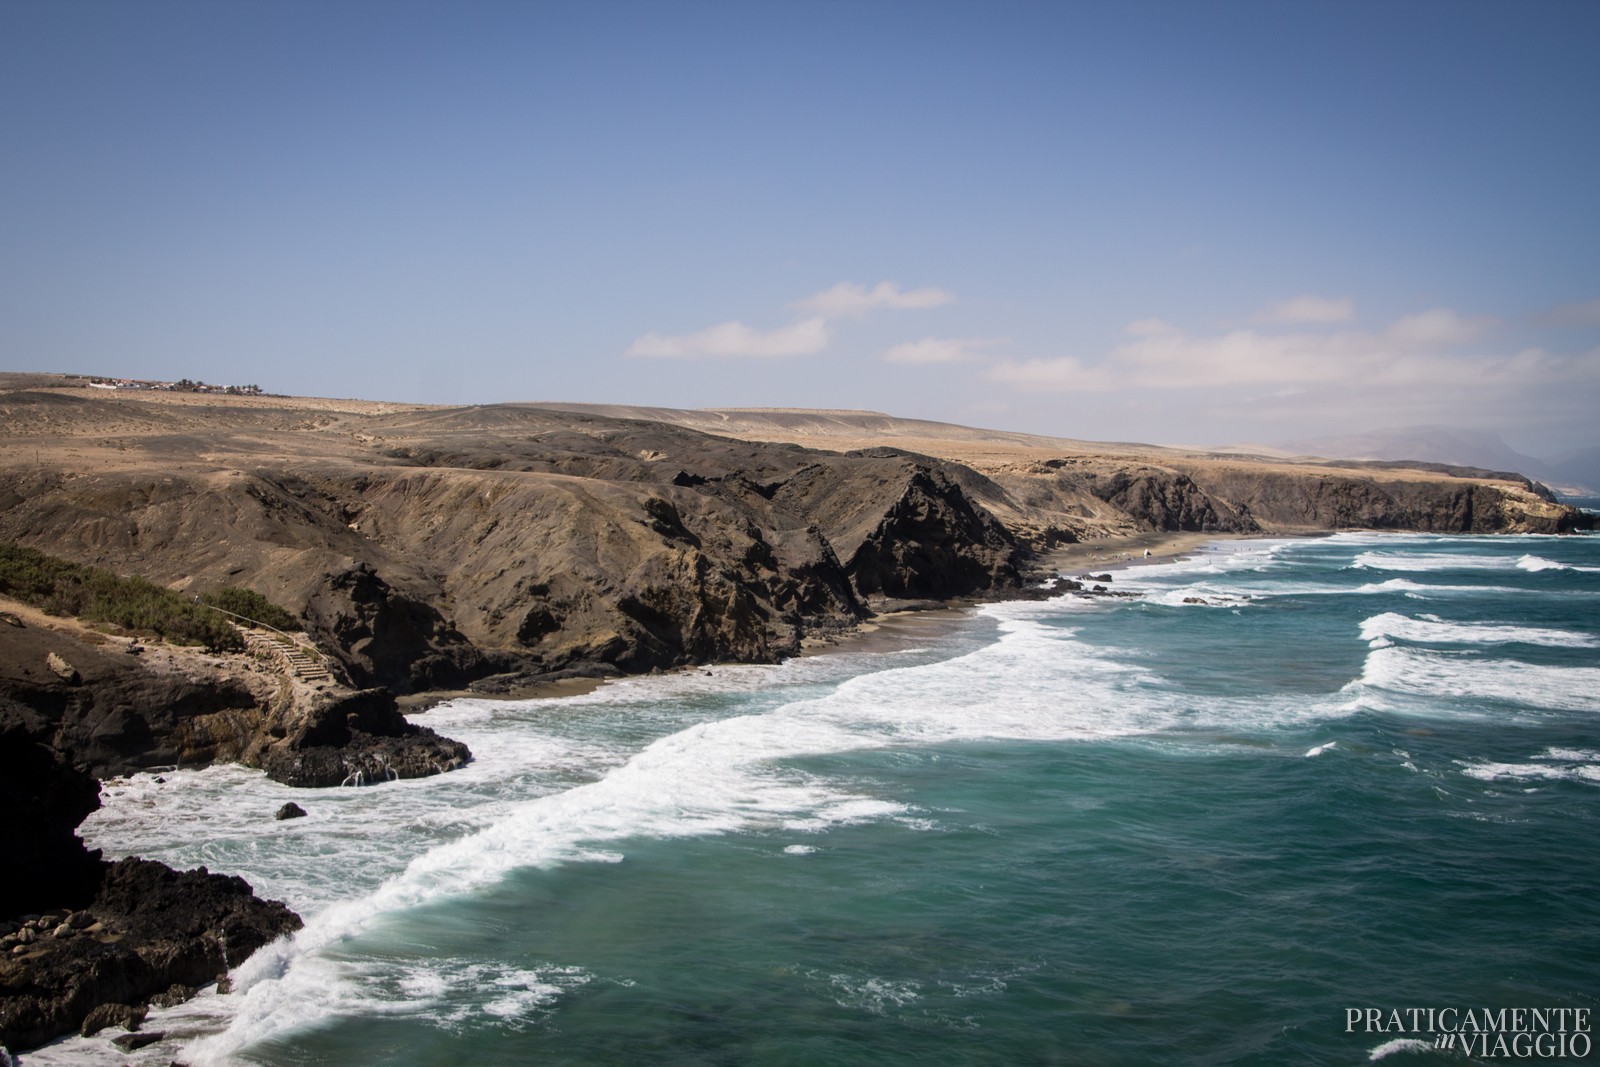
{"x":1414,"y":350}
{"x":736,"y":340}
{"x":808,"y":336}
{"x":1310,"y":309}
{"x":1437,"y":328}
{"x":850,"y":299}
{"x":941,"y":350}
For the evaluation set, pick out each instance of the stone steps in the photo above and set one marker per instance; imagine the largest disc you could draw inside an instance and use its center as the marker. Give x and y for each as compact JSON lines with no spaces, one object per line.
{"x":291,"y":657}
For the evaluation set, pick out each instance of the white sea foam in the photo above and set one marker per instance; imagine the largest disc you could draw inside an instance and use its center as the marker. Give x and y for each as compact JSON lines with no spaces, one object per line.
{"x":451,"y":993}
{"x":1409,"y":562}
{"x":1223,"y":557}
{"x":1431,"y":629}
{"x":711,"y":778}
{"x":1539,"y":563}
{"x":1499,"y":772}
{"x":1578,"y":755}
{"x":1224,"y":571}
{"x":1452,"y":678}
{"x":1425,"y":590}
{"x":1429,"y":561}
{"x":871,"y":993}
{"x":1399,"y":1044}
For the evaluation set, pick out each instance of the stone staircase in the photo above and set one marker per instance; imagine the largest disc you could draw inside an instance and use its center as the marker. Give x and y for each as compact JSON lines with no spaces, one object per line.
{"x":293,"y":658}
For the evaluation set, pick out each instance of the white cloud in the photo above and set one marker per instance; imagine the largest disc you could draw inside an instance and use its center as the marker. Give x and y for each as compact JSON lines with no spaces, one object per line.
{"x":1064,"y":375}
{"x":848,"y":298}
{"x":941,"y":350}
{"x":803,"y":338}
{"x":1413,"y":352}
{"x":1436,"y":327}
{"x":1308,"y":308}
{"x":735,"y":340}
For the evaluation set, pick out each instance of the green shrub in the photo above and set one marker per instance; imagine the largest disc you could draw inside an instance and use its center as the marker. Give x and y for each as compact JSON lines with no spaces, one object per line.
{"x":95,"y":595}
{"x":252,"y":605}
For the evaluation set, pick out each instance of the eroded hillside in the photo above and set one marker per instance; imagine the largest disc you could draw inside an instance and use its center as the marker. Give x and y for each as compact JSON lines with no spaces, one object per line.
{"x":428,"y":547}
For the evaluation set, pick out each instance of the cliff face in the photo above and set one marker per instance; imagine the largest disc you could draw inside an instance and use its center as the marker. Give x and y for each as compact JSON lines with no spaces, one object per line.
{"x":117,"y":713}
{"x":438,"y":547}
{"x":430,"y":547}
{"x":1330,"y":499}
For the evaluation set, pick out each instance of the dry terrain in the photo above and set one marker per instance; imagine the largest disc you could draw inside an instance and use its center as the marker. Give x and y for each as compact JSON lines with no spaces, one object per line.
{"x":432,"y":547}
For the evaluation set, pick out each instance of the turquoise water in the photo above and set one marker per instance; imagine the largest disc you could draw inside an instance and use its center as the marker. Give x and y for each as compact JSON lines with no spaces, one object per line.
{"x":1362,"y":771}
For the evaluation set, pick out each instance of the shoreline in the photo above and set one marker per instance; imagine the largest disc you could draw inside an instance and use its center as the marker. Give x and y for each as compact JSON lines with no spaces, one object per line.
{"x":893,"y":630}
{"x":1137,"y":550}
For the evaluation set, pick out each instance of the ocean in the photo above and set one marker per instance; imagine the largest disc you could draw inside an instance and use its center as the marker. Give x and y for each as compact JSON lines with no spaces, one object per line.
{"x":1309,"y":801}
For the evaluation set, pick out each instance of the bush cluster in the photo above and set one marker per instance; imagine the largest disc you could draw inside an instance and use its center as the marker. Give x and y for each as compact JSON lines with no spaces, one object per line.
{"x":252,"y":605}
{"x":58,"y":587}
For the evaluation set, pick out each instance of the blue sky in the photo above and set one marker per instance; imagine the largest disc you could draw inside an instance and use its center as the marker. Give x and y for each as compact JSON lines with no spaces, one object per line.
{"x":1195,"y":222}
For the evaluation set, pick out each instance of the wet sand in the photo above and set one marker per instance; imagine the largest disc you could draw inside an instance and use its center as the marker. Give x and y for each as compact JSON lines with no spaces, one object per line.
{"x":1116,"y":552}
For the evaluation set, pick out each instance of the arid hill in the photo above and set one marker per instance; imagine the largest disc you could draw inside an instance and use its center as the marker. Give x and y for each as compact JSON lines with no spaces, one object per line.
{"x":428,"y":547}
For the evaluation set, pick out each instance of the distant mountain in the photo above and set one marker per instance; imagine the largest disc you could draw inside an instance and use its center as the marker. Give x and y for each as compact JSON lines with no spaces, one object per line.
{"x":1578,"y":469}
{"x":1574,"y":471}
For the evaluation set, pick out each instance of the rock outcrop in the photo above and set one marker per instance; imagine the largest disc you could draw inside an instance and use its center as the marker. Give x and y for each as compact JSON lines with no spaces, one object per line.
{"x":1162,"y":499}
{"x":77,"y":933}
{"x":356,"y":739}
{"x":1376,"y":499}
{"x":127,"y":713}
{"x":135,"y":931}
{"x":44,"y":799}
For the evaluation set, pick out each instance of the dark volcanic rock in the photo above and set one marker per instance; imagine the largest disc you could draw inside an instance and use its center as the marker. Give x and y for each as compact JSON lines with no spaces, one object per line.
{"x":155,"y":928}
{"x":43,"y":799}
{"x":126,"y":1016}
{"x":132,"y":1042}
{"x":1327,"y":501}
{"x":388,"y":638}
{"x":359,"y":739}
{"x":905,"y":528}
{"x":119,"y":717}
{"x":1167,"y":500}
{"x":123,"y":718}
{"x":933,"y":543}
{"x":105,"y":933}
{"x":290,"y":810}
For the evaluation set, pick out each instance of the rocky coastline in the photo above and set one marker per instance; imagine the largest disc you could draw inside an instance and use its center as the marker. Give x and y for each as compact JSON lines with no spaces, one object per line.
{"x":484,"y":549}
{"x":86,"y":943}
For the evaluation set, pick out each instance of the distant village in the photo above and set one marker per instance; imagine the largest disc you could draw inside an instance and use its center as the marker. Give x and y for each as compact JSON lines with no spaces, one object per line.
{"x":182,"y":385}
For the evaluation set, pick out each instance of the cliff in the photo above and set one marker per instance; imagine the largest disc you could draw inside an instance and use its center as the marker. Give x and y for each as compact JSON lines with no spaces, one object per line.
{"x":110,"y":706}
{"x":429,"y":547}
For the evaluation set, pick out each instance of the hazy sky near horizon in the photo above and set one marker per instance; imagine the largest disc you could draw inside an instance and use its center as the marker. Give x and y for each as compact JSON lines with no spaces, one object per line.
{"x":1195,"y":222}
